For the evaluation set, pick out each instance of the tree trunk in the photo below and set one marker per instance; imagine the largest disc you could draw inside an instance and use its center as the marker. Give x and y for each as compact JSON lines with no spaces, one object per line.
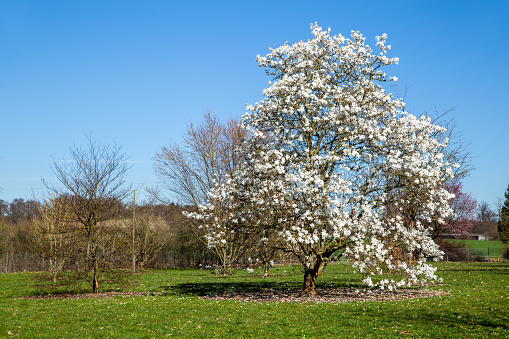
{"x":95,"y":281}
{"x":95,"y":266}
{"x":52,"y":270}
{"x":266,"y":271}
{"x":310,"y":276}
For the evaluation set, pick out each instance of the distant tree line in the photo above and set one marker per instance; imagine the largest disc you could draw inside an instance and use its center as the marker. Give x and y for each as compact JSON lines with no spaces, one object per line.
{"x":158,"y":228}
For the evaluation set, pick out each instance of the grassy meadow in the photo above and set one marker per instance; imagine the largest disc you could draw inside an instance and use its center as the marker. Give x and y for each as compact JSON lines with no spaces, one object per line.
{"x":483,"y":248}
{"x":477,"y":305}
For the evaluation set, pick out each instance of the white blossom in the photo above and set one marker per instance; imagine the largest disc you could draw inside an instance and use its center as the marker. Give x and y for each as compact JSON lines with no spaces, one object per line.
{"x":333,"y":160}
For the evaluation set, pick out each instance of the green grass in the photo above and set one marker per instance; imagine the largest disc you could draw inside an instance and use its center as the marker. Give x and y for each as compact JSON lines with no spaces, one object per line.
{"x":480,"y":247}
{"x":481,"y":243}
{"x":476,"y":306}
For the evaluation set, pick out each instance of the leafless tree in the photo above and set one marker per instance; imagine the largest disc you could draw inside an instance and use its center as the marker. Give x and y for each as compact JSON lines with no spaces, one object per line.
{"x":457,"y":149}
{"x":94,"y":185}
{"x":148,"y":241}
{"x":487,"y":220}
{"x":207,"y":153}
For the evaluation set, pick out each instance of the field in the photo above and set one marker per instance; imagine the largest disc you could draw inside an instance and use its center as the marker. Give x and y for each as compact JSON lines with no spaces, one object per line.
{"x":483,"y":248}
{"x":477,"y":305}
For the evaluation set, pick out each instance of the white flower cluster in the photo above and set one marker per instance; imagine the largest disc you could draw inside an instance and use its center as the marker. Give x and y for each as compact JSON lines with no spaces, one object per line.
{"x":334,"y":163}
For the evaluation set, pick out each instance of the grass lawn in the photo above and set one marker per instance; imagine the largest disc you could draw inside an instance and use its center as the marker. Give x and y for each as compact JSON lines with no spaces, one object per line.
{"x":480,"y":247}
{"x":477,"y":306}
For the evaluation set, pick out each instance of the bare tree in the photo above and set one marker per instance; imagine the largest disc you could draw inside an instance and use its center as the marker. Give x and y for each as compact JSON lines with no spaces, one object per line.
{"x":15,"y":219}
{"x":208,"y":153}
{"x":457,"y":149}
{"x":487,"y":220}
{"x":208,"y":156}
{"x":4,"y":208}
{"x":148,"y":241}
{"x":94,"y":186}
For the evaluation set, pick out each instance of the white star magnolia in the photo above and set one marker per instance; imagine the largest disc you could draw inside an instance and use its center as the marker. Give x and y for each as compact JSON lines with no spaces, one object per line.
{"x":330,"y":152}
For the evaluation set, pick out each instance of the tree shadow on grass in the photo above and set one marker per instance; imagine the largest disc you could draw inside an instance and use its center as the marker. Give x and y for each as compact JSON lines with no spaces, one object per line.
{"x":203,"y":289}
{"x":210,"y":288}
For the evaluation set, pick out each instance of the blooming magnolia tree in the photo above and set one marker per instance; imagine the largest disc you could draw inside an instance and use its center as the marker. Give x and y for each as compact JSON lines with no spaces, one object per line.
{"x":329,"y":151}
{"x":237,"y":221}
{"x":463,"y":205}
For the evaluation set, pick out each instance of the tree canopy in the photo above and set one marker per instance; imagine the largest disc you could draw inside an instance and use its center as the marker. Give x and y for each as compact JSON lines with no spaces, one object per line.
{"x":334,"y":164}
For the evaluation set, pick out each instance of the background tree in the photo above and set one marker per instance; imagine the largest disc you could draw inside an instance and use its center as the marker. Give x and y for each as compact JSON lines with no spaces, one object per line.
{"x":148,"y":237}
{"x":209,"y":155}
{"x":19,"y":210}
{"x":456,"y":149}
{"x":503,"y":222}
{"x":465,"y":210}
{"x":52,"y":234}
{"x":4,"y":208}
{"x":242,"y":228}
{"x":486,"y":222}
{"x":7,"y":231}
{"x":337,"y":150}
{"x":15,"y":220}
{"x":93,"y":184}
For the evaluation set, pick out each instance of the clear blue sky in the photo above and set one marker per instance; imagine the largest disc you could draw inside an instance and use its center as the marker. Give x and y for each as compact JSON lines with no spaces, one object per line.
{"x":138,"y":72}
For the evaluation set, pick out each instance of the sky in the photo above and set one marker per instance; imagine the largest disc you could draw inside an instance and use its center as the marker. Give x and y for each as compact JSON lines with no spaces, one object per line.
{"x":138,"y":72}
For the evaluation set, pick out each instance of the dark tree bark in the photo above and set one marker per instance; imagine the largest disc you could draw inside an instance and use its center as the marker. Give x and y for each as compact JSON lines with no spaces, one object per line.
{"x":311,"y":274}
